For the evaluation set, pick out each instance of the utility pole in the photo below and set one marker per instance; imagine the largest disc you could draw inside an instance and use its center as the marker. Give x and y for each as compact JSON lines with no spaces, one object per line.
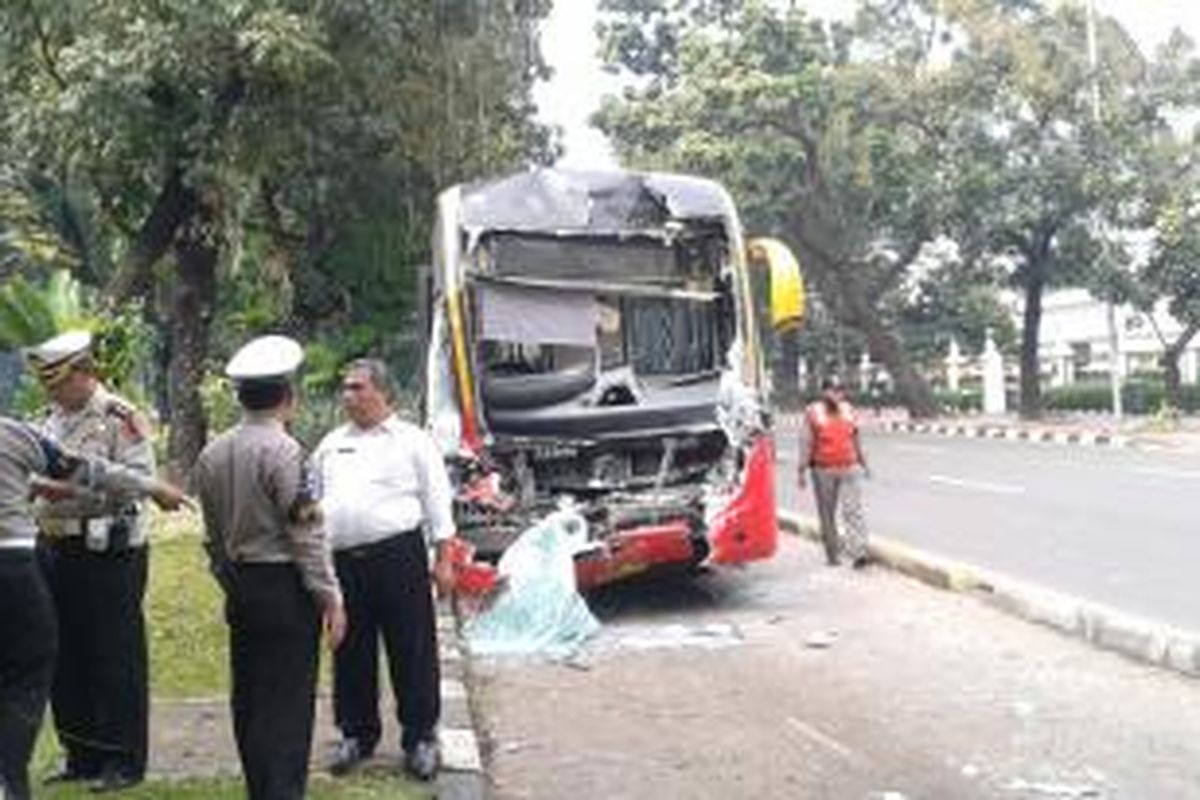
{"x":1114,"y":342}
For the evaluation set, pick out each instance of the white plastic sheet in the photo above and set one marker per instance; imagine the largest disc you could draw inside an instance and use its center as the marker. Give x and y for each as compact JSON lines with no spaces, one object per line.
{"x":539,"y":609}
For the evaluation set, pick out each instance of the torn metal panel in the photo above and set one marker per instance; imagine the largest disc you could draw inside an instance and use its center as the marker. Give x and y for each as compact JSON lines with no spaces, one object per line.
{"x":688,"y":197}
{"x":548,"y":200}
{"x":578,"y":258}
{"x":600,"y":287}
{"x":744,"y":527}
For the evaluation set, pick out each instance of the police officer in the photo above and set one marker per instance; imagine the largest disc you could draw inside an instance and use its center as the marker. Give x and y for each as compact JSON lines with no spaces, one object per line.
{"x":28,"y":627}
{"x":268,"y":550}
{"x":93,"y":551}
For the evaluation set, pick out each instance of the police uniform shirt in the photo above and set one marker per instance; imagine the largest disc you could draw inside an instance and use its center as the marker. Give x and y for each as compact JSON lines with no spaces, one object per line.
{"x":379,"y":481}
{"x":257,"y":502}
{"x":25,"y":452}
{"x":107,"y":427}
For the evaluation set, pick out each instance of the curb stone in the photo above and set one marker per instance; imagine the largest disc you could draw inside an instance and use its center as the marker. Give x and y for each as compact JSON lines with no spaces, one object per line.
{"x":462,"y":776}
{"x":985,"y":431}
{"x":1136,"y":638}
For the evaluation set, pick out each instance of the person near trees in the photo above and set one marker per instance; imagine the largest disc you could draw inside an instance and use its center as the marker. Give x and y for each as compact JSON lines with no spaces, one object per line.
{"x":384,"y":490}
{"x":267,"y":549}
{"x":831,"y":448}
{"x":28,"y":623}
{"x":94,"y":555}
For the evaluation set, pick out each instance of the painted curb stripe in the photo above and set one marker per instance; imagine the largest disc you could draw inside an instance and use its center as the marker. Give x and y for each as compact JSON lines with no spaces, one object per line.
{"x":1012,"y":433}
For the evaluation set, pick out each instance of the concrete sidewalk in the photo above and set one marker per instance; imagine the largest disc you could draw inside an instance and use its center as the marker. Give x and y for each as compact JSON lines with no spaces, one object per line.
{"x":1141,"y":639}
{"x":789,"y":679}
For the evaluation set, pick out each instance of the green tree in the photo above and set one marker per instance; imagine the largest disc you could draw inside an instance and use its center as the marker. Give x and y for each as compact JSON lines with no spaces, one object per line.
{"x":838,"y":155}
{"x":1172,"y":272}
{"x":1038,"y":179}
{"x":217,"y":137}
{"x":1167,"y":206}
{"x":969,"y":119}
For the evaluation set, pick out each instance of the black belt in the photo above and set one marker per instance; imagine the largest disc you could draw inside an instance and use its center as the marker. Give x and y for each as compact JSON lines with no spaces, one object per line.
{"x":78,"y":544}
{"x":370,"y":548}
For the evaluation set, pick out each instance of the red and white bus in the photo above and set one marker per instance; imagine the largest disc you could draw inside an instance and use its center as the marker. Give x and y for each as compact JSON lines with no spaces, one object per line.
{"x":592,"y":340}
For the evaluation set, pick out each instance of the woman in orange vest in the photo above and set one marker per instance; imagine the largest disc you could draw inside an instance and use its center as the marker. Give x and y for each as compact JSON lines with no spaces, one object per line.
{"x":833,"y":451}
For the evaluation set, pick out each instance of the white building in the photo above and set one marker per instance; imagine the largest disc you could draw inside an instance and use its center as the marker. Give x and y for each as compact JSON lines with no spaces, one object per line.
{"x":1075,"y":342}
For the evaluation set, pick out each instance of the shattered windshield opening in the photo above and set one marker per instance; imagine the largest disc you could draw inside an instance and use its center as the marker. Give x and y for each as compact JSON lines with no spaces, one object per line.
{"x":658,"y":306}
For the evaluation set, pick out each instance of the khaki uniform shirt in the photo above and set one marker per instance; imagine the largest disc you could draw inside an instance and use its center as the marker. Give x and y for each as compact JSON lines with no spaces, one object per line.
{"x":258,"y":504}
{"x":25,"y":452}
{"x":107,"y":427}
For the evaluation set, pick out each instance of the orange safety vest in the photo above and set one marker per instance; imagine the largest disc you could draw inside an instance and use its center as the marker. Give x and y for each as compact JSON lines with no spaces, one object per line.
{"x":833,"y":436}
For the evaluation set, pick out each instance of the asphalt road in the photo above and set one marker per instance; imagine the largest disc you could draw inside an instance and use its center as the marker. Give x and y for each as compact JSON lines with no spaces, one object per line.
{"x":787,"y":679}
{"x":1119,"y":527}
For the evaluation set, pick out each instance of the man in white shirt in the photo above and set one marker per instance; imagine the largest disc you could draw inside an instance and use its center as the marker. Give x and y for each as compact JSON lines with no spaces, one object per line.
{"x":383,"y":488}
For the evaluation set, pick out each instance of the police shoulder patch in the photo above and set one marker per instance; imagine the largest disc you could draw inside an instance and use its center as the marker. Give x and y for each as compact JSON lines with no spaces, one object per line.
{"x":134,"y":424}
{"x":305,"y":510}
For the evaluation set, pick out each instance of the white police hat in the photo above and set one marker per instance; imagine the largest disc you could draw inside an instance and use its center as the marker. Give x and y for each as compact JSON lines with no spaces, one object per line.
{"x":265,"y":358}
{"x":53,"y":359}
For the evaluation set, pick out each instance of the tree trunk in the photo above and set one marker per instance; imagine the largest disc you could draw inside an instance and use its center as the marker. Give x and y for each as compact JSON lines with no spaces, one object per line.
{"x":1031,"y":379}
{"x":174,"y":205}
{"x":192,"y":301}
{"x":856,"y":307}
{"x":1171,"y":356}
{"x":911,"y":386}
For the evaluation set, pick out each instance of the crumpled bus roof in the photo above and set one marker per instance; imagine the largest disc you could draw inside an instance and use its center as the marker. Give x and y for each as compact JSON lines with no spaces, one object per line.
{"x":556,"y":200}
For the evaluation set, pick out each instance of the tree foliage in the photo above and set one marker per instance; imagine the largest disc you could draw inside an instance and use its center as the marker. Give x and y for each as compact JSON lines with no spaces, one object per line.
{"x":836,"y":153}
{"x":866,"y":145}
{"x":248,"y":164}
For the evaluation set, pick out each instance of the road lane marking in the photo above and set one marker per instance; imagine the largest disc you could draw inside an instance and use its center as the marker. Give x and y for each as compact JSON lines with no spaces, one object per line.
{"x":919,"y":448}
{"x":823,"y":739}
{"x":979,"y":486}
{"x":1167,"y":472}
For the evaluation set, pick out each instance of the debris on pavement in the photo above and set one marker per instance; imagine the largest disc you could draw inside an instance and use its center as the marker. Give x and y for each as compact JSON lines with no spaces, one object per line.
{"x":539,"y":609}
{"x":1040,"y":789}
{"x":653,"y":637}
{"x":820,"y":640}
{"x":1023,"y":709}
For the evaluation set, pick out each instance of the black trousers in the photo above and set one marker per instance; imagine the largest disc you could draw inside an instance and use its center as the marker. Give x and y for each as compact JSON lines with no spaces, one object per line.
{"x":274,"y":627}
{"x":100,"y":697}
{"x":387,"y":591}
{"x":28,"y":638}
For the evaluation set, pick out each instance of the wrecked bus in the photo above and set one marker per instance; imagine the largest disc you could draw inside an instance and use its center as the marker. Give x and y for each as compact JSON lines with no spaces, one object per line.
{"x":591,"y":340}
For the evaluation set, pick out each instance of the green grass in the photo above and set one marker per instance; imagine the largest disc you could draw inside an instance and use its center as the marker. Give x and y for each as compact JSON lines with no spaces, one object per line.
{"x":184,"y":614}
{"x":188,"y":658}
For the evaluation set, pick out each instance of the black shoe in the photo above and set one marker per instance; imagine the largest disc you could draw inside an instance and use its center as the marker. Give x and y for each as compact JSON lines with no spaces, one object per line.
{"x":423,"y":760}
{"x":861,"y":562}
{"x":348,"y":754}
{"x":114,"y":780}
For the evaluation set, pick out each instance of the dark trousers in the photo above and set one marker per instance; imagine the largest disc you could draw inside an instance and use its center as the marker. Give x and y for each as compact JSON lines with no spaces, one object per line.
{"x":100,"y":697}
{"x":274,"y":628}
{"x":387,"y":591}
{"x":28,"y":637}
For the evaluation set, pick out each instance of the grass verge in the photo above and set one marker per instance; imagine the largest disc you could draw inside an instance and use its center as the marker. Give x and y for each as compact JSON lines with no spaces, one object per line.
{"x":188,"y":644}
